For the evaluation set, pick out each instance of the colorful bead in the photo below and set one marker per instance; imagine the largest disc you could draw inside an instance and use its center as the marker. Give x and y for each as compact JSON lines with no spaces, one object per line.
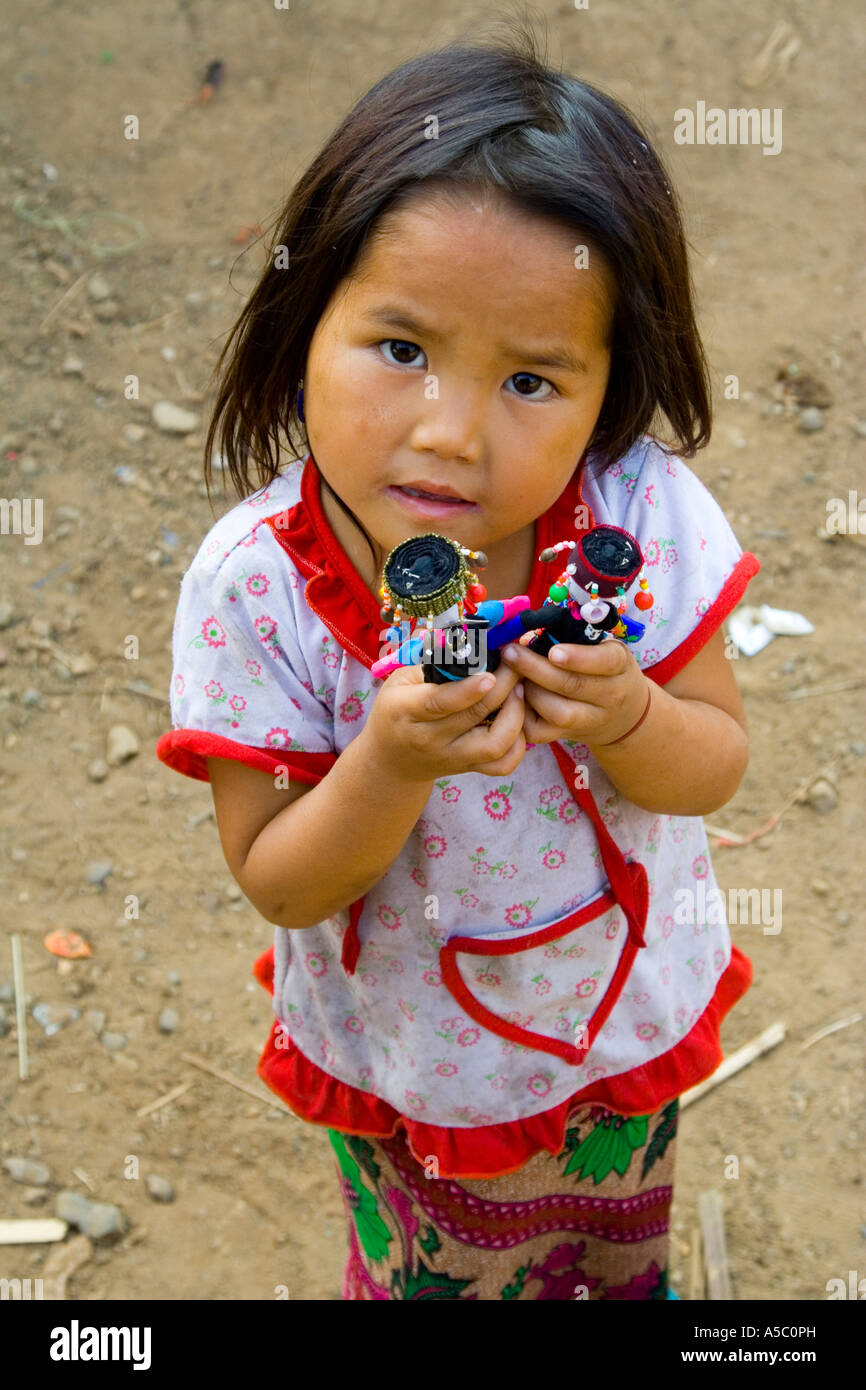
{"x":557,"y":592}
{"x":476,"y":592}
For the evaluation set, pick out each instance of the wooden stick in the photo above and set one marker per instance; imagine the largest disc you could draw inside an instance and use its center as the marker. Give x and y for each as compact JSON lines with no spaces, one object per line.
{"x":30,"y":1231}
{"x":20,"y":1012}
{"x":715,"y":1255}
{"x":804,"y":693}
{"x":164,"y":1100}
{"x":64,"y":298}
{"x":830,"y":1028}
{"x":233,"y":1081}
{"x":696,"y":1268}
{"x":771,"y":1037}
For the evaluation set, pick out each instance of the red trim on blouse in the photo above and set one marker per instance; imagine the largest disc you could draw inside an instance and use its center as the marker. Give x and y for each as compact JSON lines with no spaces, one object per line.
{"x":492,"y":1151}
{"x":187,"y":751}
{"x":729,"y":596}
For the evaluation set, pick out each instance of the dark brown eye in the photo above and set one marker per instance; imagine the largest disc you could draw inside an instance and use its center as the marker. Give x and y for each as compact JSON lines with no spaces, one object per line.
{"x":403,"y":351}
{"x":530,"y":383}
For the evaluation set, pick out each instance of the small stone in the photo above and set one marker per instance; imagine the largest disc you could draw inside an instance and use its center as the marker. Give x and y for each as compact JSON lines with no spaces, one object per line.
{"x":173,"y":977}
{"x":53,"y":1017}
{"x":822,"y":796}
{"x":94,"y":1219}
{"x":113,"y":1042}
{"x":122,"y":744}
{"x":96,"y":1019}
{"x":168,"y":1020}
{"x":7,"y":614}
{"x":842,"y":919}
{"x":858,"y":749}
{"x":7,"y":991}
{"x":860,"y":428}
{"x":105,"y":311}
{"x":134,"y":434}
{"x":34,"y":1196}
{"x":18,"y":855}
{"x":811,"y":420}
{"x":233,"y":893}
{"x":31,"y":698}
{"x":173,"y":419}
{"x":98,"y":770}
{"x":72,"y":366}
{"x":98,"y":288}
{"x":97,"y":872}
{"x":160,"y":1189}
{"x":27,"y":1170}
{"x":819,"y":886}
{"x":67,"y":514}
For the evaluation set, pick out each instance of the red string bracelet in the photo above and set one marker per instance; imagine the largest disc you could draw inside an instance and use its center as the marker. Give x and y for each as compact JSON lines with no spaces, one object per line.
{"x":634,"y":726}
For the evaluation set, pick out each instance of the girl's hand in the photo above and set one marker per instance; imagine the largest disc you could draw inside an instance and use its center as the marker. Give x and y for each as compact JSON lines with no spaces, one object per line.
{"x":594,"y":696}
{"x":422,"y":730}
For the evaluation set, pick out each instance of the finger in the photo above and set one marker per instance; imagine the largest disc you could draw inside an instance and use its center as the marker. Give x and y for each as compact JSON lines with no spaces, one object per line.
{"x":492,"y":741}
{"x":474,"y":706}
{"x":579,"y":673}
{"x":571,"y":718}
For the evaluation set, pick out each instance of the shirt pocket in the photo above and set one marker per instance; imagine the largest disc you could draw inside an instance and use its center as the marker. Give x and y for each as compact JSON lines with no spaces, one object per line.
{"x":549,"y":988}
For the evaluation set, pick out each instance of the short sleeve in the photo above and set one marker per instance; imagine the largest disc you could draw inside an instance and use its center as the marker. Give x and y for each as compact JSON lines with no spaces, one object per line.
{"x":696,"y":568}
{"x":240,"y":687}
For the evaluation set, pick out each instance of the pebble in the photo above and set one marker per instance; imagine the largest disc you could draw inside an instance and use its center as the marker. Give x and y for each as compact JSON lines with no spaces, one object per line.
{"x":96,"y":1019}
{"x":113,"y":1042}
{"x":7,"y":991}
{"x":98,"y":288}
{"x":94,"y":1219}
{"x":173,"y":977}
{"x":858,"y":749}
{"x":819,"y":886}
{"x":134,"y":434}
{"x":160,"y":1189}
{"x":811,"y":420}
{"x":18,"y":855}
{"x":98,"y":770}
{"x":67,"y":514}
{"x":97,"y":871}
{"x":860,"y":429}
{"x":27,"y":1170}
{"x":843,"y":918}
{"x":31,"y":698}
{"x":168,"y":1020}
{"x":34,"y":1196}
{"x":173,"y":419}
{"x":106,"y":310}
{"x":822,"y":796}
{"x":72,"y":366}
{"x":233,"y":893}
{"x":7,"y":614}
{"x":122,"y":744}
{"x":53,"y":1017}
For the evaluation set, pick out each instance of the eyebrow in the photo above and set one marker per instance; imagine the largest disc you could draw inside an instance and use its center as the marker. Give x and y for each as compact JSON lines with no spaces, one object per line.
{"x":550,"y":357}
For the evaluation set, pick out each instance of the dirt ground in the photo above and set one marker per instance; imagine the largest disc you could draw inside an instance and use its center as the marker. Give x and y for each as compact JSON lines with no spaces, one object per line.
{"x":778,"y":268}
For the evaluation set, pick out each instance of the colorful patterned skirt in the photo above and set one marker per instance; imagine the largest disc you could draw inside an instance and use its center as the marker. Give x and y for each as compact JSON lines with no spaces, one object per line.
{"x":590,"y":1223}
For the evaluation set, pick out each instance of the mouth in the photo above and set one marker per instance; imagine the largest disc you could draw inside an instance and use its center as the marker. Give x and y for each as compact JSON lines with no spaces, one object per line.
{"x":430,"y":500}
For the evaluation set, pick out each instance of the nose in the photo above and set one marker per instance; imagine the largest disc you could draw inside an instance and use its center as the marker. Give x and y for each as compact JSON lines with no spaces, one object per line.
{"x":451,"y":422}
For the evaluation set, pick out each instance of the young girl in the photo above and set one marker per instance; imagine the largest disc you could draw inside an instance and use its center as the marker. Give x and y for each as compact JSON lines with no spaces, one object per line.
{"x":488,"y":984}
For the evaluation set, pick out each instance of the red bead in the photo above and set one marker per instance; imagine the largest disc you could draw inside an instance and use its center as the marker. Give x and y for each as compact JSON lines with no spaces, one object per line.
{"x":643,"y":600}
{"x":469,"y":606}
{"x":476,"y":592}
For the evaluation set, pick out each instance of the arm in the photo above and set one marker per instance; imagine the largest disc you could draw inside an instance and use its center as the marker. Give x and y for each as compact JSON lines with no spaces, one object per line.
{"x":304,"y":853}
{"x":690,"y":754}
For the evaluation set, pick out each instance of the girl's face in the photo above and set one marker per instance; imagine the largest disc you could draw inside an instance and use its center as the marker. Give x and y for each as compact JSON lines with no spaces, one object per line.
{"x":465,"y":353}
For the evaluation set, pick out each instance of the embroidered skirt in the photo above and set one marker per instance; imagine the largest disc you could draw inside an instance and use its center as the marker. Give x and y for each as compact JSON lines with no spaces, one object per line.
{"x":590,"y":1223}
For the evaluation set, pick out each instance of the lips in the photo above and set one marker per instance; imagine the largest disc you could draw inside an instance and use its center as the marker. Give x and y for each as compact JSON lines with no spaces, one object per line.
{"x":433,"y":491}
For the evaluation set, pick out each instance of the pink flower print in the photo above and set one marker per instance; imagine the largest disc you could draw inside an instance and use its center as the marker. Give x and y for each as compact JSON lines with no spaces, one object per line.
{"x":645,"y":1032}
{"x":702,"y":539}
{"x":258,"y":584}
{"x":553,"y":858}
{"x":418,"y":876}
{"x":519,"y":914}
{"x":641,"y":998}
{"x":651,"y":552}
{"x":542,"y":984}
{"x":497,"y":804}
{"x":432,"y":977}
{"x":497,"y":1080}
{"x":649,"y":495}
{"x":553,"y":950}
{"x":316,"y":964}
{"x":351,"y":709}
{"x":701,"y":607}
{"x":487,"y":977}
{"x":396,"y":967}
{"x":237,"y":703}
{"x":407,"y":1010}
{"x":611,"y":929}
{"x":445,"y":1069}
{"x":451,"y":1024}
{"x":667,"y":927}
{"x":569,"y":812}
{"x":506,"y":871}
{"x":700,"y":866}
{"x":354,"y":1024}
{"x":584,"y":988}
{"x":697,"y":964}
{"x":266,"y":628}
{"x":539,"y":1084}
{"x":327,"y":1053}
{"x":596,"y":1074}
{"x":390,"y":917}
{"x":469,"y":1037}
{"x":518,"y":1019}
{"x":414,"y":1101}
{"x":550,"y":794}
{"x":718,"y":959}
{"x":277,"y":738}
{"x":678,"y":834}
{"x":670,"y":556}
{"x":468,"y":900}
{"x":574,"y":952}
{"x":179,"y":684}
{"x":367,"y":978}
{"x":452,"y":794}
{"x":435,"y":846}
{"x":213,"y":632}
{"x":253,"y":668}
{"x":213,"y":690}
{"x":665,"y":974}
